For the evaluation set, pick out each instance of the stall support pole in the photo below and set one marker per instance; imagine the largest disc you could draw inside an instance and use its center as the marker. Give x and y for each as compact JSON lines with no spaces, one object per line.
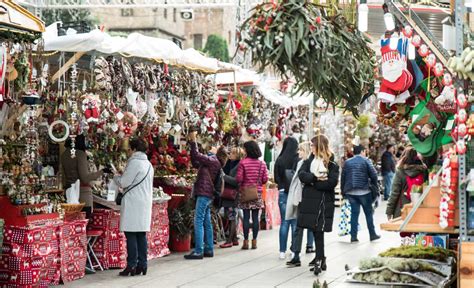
{"x":311,"y":118}
{"x":67,"y":65}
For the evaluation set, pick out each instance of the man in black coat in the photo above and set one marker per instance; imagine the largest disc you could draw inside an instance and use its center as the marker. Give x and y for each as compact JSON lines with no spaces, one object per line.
{"x":388,"y":170}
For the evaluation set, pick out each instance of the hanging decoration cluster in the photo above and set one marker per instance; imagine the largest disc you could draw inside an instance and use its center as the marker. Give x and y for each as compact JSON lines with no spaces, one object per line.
{"x":327,"y":55}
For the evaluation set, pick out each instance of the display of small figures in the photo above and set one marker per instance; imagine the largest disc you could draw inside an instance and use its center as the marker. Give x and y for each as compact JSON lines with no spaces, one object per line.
{"x":33,"y":211}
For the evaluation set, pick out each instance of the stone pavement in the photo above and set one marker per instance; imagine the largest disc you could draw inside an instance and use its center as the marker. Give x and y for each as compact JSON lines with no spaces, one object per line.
{"x":233,"y":267}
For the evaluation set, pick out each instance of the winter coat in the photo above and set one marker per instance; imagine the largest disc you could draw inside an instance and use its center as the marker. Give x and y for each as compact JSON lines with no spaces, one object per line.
{"x":286,"y":161}
{"x":316,"y":210}
{"x":78,"y":168}
{"x":230,"y":183}
{"x":209,"y":167}
{"x":247,"y":175}
{"x":356,"y":174}
{"x":295,"y":194}
{"x":388,"y":163}
{"x":135,"y":211}
{"x":400,"y":186}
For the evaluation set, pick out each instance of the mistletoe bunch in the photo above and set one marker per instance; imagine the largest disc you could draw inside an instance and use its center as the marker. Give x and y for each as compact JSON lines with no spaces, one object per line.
{"x":327,"y":55}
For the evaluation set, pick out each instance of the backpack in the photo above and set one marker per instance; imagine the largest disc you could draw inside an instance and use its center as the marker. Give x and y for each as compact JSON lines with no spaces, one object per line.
{"x":418,"y":180}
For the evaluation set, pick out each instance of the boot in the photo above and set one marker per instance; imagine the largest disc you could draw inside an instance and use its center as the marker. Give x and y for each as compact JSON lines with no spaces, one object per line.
{"x":323,"y":264}
{"x":245,"y":246}
{"x":254,"y":244}
{"x":128,"y":271}
{"x":140,"y":270}
{"x":317,"y":268}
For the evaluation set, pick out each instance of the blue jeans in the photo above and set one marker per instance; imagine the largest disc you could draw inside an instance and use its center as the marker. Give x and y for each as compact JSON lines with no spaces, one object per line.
{"x":136,"y":249}
{"x":285,"y":224}
{"x":387,"y":184}
{"x":203,"y":233}
{"x":366,"y":202}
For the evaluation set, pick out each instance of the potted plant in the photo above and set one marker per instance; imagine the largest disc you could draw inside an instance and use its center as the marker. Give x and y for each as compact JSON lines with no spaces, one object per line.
{"x":181,"y":227}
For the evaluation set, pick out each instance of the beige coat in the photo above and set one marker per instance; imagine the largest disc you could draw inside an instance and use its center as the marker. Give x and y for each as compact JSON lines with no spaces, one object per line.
{"x":78,"y":168}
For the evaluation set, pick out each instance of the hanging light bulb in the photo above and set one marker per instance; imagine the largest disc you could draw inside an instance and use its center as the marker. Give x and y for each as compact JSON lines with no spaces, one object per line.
{"x":363,"y":19}
{"x":389,"y":21}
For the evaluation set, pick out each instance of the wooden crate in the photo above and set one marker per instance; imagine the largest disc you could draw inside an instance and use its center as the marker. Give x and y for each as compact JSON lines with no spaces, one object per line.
{"x":426,"y":215}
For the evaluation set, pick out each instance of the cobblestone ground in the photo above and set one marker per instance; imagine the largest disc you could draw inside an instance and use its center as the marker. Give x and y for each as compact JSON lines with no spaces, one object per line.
{"x":253,"y":268}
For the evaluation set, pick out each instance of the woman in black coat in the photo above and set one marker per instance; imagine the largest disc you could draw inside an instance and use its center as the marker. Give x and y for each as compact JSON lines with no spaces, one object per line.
{"x":316,"y":210}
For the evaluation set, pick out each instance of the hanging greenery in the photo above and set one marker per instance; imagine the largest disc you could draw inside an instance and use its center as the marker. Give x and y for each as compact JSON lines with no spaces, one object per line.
{"x":326,"y":54}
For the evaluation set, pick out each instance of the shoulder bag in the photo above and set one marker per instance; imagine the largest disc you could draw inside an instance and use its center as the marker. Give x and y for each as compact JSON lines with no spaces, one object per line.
{"x":120,"y":196}
{"x":250,"y":193}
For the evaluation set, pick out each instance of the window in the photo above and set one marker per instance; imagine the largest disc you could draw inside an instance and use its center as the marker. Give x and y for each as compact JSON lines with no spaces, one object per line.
{"x":197,"y":41}
{"x":175,"y":11}
{"x":127,"y":12}
{"x":177,"y":42}
{"x":165,"y":13}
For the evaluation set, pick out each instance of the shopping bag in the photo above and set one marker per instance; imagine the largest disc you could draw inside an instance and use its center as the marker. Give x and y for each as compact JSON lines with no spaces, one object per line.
{"x":345,"y":222}
{"x":73,"y":192}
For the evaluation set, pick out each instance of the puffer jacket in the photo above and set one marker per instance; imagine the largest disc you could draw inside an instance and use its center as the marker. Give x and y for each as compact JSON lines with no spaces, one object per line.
{"x":316,"y":210}
{"x":209,"y":167}
{"x":399,"y":187}
{"x":356,"y":174}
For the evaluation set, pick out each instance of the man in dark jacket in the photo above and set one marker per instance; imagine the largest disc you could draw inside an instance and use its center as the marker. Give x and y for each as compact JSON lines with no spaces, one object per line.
{"x":388,"y":170}
{"x":355,"y":177}
{"x":209,"y":169}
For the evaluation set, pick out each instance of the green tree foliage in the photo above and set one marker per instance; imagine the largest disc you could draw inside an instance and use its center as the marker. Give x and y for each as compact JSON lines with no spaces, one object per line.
{"x":216,"y":47}
{"x":50,"y":16}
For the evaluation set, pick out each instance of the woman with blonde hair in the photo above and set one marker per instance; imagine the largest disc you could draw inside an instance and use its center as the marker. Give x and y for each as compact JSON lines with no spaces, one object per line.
{"x":319,"y":175}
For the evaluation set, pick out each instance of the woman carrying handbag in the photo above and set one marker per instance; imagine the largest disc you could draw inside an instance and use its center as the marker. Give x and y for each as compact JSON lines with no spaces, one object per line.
{"x":251,"y":175}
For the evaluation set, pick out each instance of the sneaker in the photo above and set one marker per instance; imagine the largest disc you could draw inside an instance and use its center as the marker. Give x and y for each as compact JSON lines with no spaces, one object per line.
{"x":194,"y":256}
{"x":375,"y":237}
{"x":293,"y":263}
{"x":282,"y":255}
{"x":310,"y":250}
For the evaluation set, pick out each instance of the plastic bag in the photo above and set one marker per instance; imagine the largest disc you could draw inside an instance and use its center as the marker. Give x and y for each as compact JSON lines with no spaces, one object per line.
{"x":73,"y":193}
{"x":345,"y":222}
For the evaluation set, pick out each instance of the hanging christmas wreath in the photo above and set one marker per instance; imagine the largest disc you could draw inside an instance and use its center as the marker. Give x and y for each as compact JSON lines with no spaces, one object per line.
{"x":327,"y":55}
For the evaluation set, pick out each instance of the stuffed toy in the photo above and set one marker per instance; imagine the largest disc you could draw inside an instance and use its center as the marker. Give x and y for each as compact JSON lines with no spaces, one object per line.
{"x":396,"y":77}
{"x":91,"y":108}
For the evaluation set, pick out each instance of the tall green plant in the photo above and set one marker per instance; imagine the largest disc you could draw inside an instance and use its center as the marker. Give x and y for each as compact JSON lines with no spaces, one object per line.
{"x":216,"y":47}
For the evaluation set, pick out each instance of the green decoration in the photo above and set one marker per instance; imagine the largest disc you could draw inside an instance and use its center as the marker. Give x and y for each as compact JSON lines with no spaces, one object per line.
{"x":216,"y":47}
{"x":327,"y":55}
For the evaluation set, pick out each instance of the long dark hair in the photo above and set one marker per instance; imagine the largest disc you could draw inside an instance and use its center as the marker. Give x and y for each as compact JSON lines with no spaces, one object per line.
{"x":79,"y":143}
{"x":252,"y":150}
{"x":289,"y":152}
{"x":409,"y":157}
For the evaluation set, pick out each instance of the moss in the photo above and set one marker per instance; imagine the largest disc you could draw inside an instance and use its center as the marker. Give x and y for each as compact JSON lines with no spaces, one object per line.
{"x":419,"y":252}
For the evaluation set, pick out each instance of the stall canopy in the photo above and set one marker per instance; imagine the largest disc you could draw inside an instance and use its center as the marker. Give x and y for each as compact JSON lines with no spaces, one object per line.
{"x":135,"y":45}
{"x":15,"y":18}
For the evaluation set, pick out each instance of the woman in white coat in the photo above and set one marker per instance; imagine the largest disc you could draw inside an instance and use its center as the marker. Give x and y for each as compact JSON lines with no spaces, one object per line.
{"x":135,"y":210}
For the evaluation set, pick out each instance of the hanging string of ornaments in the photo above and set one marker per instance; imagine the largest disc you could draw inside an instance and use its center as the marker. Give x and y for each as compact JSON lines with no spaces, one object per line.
{"x":300,"y":39}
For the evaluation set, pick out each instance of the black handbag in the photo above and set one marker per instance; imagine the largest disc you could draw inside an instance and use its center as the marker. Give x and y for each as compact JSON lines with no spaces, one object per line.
{"x":120,"y":196}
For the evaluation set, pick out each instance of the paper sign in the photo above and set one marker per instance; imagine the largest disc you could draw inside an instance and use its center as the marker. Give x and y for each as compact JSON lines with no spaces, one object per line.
{"x":414,"y":117}
{"x":177,"y":128}
{"x":110,"y":195}
{"x":119,"y":115}
{"x":166,"y":127}
{"x":449,"y":125}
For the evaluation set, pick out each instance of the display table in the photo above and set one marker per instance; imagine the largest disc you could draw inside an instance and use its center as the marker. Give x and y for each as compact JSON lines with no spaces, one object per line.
{"x":110,"y":247}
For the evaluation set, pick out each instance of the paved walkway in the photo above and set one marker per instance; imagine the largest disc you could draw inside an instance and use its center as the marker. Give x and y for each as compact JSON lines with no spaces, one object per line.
{"x":253,"y":268}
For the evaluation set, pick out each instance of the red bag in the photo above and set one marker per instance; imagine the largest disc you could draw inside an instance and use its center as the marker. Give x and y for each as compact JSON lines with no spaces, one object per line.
{"x":418,"y":180}
{"x":229,"y":194}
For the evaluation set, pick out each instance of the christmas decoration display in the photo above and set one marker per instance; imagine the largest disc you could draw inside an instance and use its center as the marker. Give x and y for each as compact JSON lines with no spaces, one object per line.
{"x":302,"y":39}
{"x":449,"y":188}
{"x":463,"y":65}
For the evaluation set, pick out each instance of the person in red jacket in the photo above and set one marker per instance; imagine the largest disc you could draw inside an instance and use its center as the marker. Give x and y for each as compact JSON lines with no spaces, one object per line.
{"x":209,"y":169}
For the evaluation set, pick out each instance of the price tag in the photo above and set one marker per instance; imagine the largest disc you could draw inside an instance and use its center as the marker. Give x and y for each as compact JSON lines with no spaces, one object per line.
{"x":166,"y":127}
{"x":111,"y":195}
{"x":119,"y":115}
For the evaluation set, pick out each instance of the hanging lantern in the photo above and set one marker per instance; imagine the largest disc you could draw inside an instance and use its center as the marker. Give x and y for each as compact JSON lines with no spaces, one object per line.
{"x":416,"y":41}
{"x":430,"y":60}
{"x":447,"y":79}
{"x":408,"y":31}
{"x":438,"y":69}
{"x":462,"y":101}
{"x":423,"y":50}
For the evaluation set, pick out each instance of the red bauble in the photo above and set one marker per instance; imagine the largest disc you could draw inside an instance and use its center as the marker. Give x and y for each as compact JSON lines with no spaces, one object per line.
{"x":438,"y":69}
{"x":430,"y":60}
{"x":416,"y":41}
{"x":408,"y":31}
{"x":462,"y":101}
{"x":423,"y":50}
{"x":447,"y":79}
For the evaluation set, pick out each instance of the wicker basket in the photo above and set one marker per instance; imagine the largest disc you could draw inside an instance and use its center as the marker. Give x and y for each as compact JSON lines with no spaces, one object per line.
{"x":72,"y":208}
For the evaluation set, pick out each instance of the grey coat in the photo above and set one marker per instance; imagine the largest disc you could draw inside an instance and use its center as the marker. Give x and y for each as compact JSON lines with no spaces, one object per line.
{"x":135,"y":211}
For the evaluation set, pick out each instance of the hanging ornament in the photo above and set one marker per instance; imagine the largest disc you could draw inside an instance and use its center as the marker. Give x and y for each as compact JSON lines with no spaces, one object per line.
{"x":462,"y":130}
{"x":447,"y":79}
{"x":462,"y":101}
{"x":461,"y":147}
{"x":416,"y":41}
{"x":461,"y":116}
{"x":438,"y":69}
{"x":454,"y":133}
{"x":423,"y":50}
{"x":430,"y":60}
{"x":408,"y":31}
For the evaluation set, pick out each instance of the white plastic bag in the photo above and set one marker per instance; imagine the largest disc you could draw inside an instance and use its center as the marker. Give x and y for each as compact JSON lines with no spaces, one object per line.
{"x":73,"y":193}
